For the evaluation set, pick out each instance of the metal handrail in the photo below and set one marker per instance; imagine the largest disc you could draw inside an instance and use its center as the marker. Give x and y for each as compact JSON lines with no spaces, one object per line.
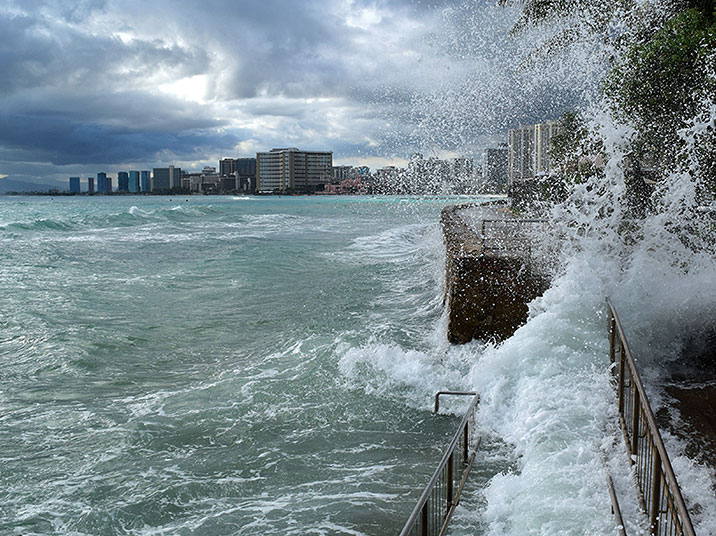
{"x":659,"y":491}
{"x":508,"y":220}
{"x":616,"y":510}
{"x":506,"y":243}
{"x":439,"y":499}
{"x":455,"y":393}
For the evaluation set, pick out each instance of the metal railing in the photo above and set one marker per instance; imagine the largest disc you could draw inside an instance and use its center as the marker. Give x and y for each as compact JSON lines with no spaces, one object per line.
{"x":502,"y":239}
{"x":659,"y":492}
{"x":616,"y":510}
{"x":441,"y":496}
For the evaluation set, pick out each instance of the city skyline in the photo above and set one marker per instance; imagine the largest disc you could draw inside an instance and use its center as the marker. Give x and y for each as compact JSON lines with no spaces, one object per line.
{"x":289,"y":169}
{"x":109,"y":85}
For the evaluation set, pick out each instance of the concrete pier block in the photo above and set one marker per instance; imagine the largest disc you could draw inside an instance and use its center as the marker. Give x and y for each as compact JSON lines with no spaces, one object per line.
{"x":486,"y":291}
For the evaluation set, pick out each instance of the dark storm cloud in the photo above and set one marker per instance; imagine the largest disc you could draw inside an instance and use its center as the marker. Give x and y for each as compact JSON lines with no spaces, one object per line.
{"x":61,"y":142}
{"x":82,"y":128}
{"x":285,"y":48}
{"x":131,"y":110}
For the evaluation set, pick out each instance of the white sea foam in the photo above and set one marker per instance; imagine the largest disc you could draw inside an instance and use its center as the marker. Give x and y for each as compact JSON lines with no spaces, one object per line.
{"x":136,"y":211}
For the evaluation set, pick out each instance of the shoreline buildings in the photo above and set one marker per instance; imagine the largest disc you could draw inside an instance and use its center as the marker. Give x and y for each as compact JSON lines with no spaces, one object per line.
{"x":241,"y":170}
{"x":164,"y":179}
{"x":290,"y":169}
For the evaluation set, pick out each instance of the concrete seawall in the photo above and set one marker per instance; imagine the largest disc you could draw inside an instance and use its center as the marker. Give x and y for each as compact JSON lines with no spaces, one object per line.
{"x":490,"y":278}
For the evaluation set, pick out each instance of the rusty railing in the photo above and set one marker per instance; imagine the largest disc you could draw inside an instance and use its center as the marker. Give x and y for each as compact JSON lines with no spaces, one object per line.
{"x":435,"y":507}
{"x":659,"y":492}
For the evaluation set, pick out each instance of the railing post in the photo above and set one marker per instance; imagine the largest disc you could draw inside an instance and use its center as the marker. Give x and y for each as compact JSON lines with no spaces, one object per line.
{"x":424,"y":520}
{"x":656,"y":492}
{"x":465,"y":443}
{"x":612,"y":336}
{"x":635,"y":422}
{"x":450,"y":481}
{"x":621,"y":378}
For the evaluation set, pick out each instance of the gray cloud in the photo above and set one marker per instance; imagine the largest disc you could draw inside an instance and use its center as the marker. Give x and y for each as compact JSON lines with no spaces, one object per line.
{"x":42,"y":52}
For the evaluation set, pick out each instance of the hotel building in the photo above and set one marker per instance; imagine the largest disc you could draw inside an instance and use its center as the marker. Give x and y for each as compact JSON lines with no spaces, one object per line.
{"x":292,"y":169}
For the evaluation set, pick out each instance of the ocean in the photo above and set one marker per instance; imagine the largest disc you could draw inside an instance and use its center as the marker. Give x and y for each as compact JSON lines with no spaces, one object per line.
{"x":266,"y":365}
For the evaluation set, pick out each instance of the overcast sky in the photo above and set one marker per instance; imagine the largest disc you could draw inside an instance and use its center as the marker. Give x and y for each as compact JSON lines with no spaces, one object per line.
{"x":110,"y":85}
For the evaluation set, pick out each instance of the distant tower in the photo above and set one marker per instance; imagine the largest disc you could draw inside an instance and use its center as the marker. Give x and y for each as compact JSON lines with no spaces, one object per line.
{"x":109,"y":185}
{"x":74,"y":185}
{"x":90,"y":184}
{"x":245,"y":173}
{"x":288,"y":168}
{"x":134,"y":181}
{"x":101,"y":183}
{"x":166,"y":178}
{"x":175,"y":177}
{"x":496,"y":164}
{"x":122,"y":181}
{"x":227,"y":166}
{"x":145,"y":181}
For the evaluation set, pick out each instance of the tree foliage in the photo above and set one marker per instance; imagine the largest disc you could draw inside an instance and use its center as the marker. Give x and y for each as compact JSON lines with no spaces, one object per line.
{"x":663,"y":83}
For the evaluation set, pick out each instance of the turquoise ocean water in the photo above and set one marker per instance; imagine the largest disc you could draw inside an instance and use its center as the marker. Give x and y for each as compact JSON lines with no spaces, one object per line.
{"x":219,"y":365}
{"x":266,"y":365}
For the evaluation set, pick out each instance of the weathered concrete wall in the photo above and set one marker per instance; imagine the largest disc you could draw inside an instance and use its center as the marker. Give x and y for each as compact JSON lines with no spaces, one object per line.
{"x":486,"y":293}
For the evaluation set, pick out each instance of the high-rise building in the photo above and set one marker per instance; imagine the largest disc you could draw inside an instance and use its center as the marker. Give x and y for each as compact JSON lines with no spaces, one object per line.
{"x":284,"y":169}
{"x":175,"y":176}
{"x":90,"y":184}
{"x":166,"y":178}
{"x":227,"y":166}
{"x":122,"y":181}
{"x":101,"y":183}
{"x":341,"y":173}
{"x":108,"y":184}
{"x":245,"y":174}
{"x":243,"y":169}
{"x":145,"y":181}
{"x":521,"y":153}
{"x":160,"y":179}
{"x":544,"y":133}
{"x":529,"y":150}
{"x":496,"y":166}
{"x":74,"y":185}
{"x":134,"y":181}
